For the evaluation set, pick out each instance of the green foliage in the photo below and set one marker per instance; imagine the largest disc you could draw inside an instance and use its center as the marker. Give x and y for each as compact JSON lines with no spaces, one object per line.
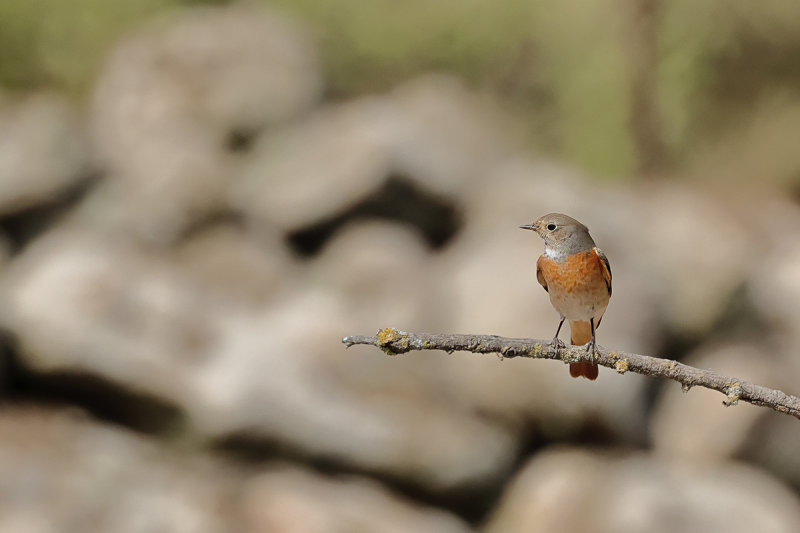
{"x":582,"y":49}
{"x":564,"y":67}
{"x":57,"y":43}
{"x":373,"y":45}
{"x":573,"y":61}
{"x":729,"y":87}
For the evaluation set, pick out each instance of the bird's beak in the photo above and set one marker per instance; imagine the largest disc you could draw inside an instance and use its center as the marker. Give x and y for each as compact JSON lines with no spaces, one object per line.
{"x":528,"y":226}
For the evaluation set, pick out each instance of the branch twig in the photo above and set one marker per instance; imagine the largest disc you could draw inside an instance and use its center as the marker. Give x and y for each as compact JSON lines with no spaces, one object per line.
{"x":394,"y":342}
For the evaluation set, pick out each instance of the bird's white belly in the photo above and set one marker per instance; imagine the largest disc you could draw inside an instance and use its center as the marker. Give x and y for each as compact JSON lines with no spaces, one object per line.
{"x":580,"y":305}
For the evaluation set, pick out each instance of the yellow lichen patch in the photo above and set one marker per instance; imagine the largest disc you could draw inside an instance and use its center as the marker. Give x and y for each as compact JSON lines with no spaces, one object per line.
{"x":387,"y":336}
{"x":621,"y":366}
{"x":537,"y":349}
{"x":733,"y":393}
{"x":570,"y":357}
{"x":613,"y":355}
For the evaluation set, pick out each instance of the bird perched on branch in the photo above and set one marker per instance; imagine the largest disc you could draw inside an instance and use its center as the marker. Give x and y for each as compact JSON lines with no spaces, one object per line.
{"x":577,"y":276}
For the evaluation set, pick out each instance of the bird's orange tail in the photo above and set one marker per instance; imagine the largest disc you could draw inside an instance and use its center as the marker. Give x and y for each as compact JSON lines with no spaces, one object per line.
{"x":580,"y":333}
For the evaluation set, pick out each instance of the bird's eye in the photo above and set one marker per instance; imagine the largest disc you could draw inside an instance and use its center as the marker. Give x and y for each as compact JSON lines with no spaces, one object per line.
{"x":551,"y":227}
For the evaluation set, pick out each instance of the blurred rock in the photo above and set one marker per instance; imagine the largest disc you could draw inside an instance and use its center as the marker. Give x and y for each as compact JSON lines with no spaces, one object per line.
{"x":230,"y":67}
{"x":43,"y":150}
{"x":443,"y":136}
{"x":695,"y":424}
{"x":771,"y":445}
{"x":775,"y":219}
{"x":92,"y":477}
{"x":775,"y":285}
{"x":173,"y":96}
{"x":383,"y":273}
{"x":695,"y":252}
{"x":165,"y":185}
{"x":316,"y":168}
{"x":286,"y":500}
{"x":761,"y":143}
{"x":86,"y":303}
{"x":773,"y":288}
{"x":61,"y":472}
{"x":322,"y":402}
{"x":357,"y":406}
{"x":5,"y":251}
{"x":578,"y":491}
{"x":237,"y":262}
{"x":430,"y":131}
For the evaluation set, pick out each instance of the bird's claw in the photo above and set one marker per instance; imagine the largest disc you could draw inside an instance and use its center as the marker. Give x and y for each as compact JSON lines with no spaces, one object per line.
{"x":591,"y":349}
{"x":558,"y":344}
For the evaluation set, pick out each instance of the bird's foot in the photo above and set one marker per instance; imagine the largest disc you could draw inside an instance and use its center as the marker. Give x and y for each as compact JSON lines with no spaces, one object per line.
{"x":557,"y":344}
{"x":591,"y":349}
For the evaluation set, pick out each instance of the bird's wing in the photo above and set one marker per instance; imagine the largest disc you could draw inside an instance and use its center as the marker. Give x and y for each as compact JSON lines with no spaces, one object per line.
{"x":539,"y":275}
{"x":606,"y":267}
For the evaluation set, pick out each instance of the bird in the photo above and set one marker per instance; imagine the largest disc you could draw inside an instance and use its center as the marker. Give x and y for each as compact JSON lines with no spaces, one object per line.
{"x":577,"y":276}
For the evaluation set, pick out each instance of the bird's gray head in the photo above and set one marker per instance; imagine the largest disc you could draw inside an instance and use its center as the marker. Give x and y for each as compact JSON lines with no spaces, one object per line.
{"x":562,"y":234}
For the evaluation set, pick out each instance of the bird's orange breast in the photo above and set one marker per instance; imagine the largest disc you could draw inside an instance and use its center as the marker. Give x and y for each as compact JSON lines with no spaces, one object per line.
{"x":580,"y":271}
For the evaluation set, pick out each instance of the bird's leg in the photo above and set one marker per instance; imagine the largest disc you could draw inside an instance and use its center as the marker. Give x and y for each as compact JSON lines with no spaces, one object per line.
{"x":591,"y":347}
{"x":558,"y":344}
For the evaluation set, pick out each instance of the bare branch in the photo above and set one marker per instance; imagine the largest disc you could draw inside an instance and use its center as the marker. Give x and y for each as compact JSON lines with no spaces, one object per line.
{"x":394,"y":342}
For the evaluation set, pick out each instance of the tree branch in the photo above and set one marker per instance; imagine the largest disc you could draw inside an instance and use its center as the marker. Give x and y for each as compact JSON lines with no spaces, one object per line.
{"x":394,"y":342}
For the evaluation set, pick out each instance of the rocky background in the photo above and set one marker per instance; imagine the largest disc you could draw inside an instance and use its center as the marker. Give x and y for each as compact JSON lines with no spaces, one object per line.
{"x":199,"y":199}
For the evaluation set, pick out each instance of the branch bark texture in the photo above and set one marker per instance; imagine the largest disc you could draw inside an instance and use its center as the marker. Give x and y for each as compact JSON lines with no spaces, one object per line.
{"x":393,"y":342}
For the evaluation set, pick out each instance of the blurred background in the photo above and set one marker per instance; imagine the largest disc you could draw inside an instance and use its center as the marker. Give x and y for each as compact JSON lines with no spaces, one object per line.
{"x":198,"y":200}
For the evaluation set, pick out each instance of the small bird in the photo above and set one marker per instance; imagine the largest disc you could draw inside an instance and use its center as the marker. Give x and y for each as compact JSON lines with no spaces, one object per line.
{"x":577,"y":276}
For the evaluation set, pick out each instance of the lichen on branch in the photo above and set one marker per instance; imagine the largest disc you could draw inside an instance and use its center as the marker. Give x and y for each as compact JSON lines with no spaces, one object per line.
{"x":393,"y":342}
